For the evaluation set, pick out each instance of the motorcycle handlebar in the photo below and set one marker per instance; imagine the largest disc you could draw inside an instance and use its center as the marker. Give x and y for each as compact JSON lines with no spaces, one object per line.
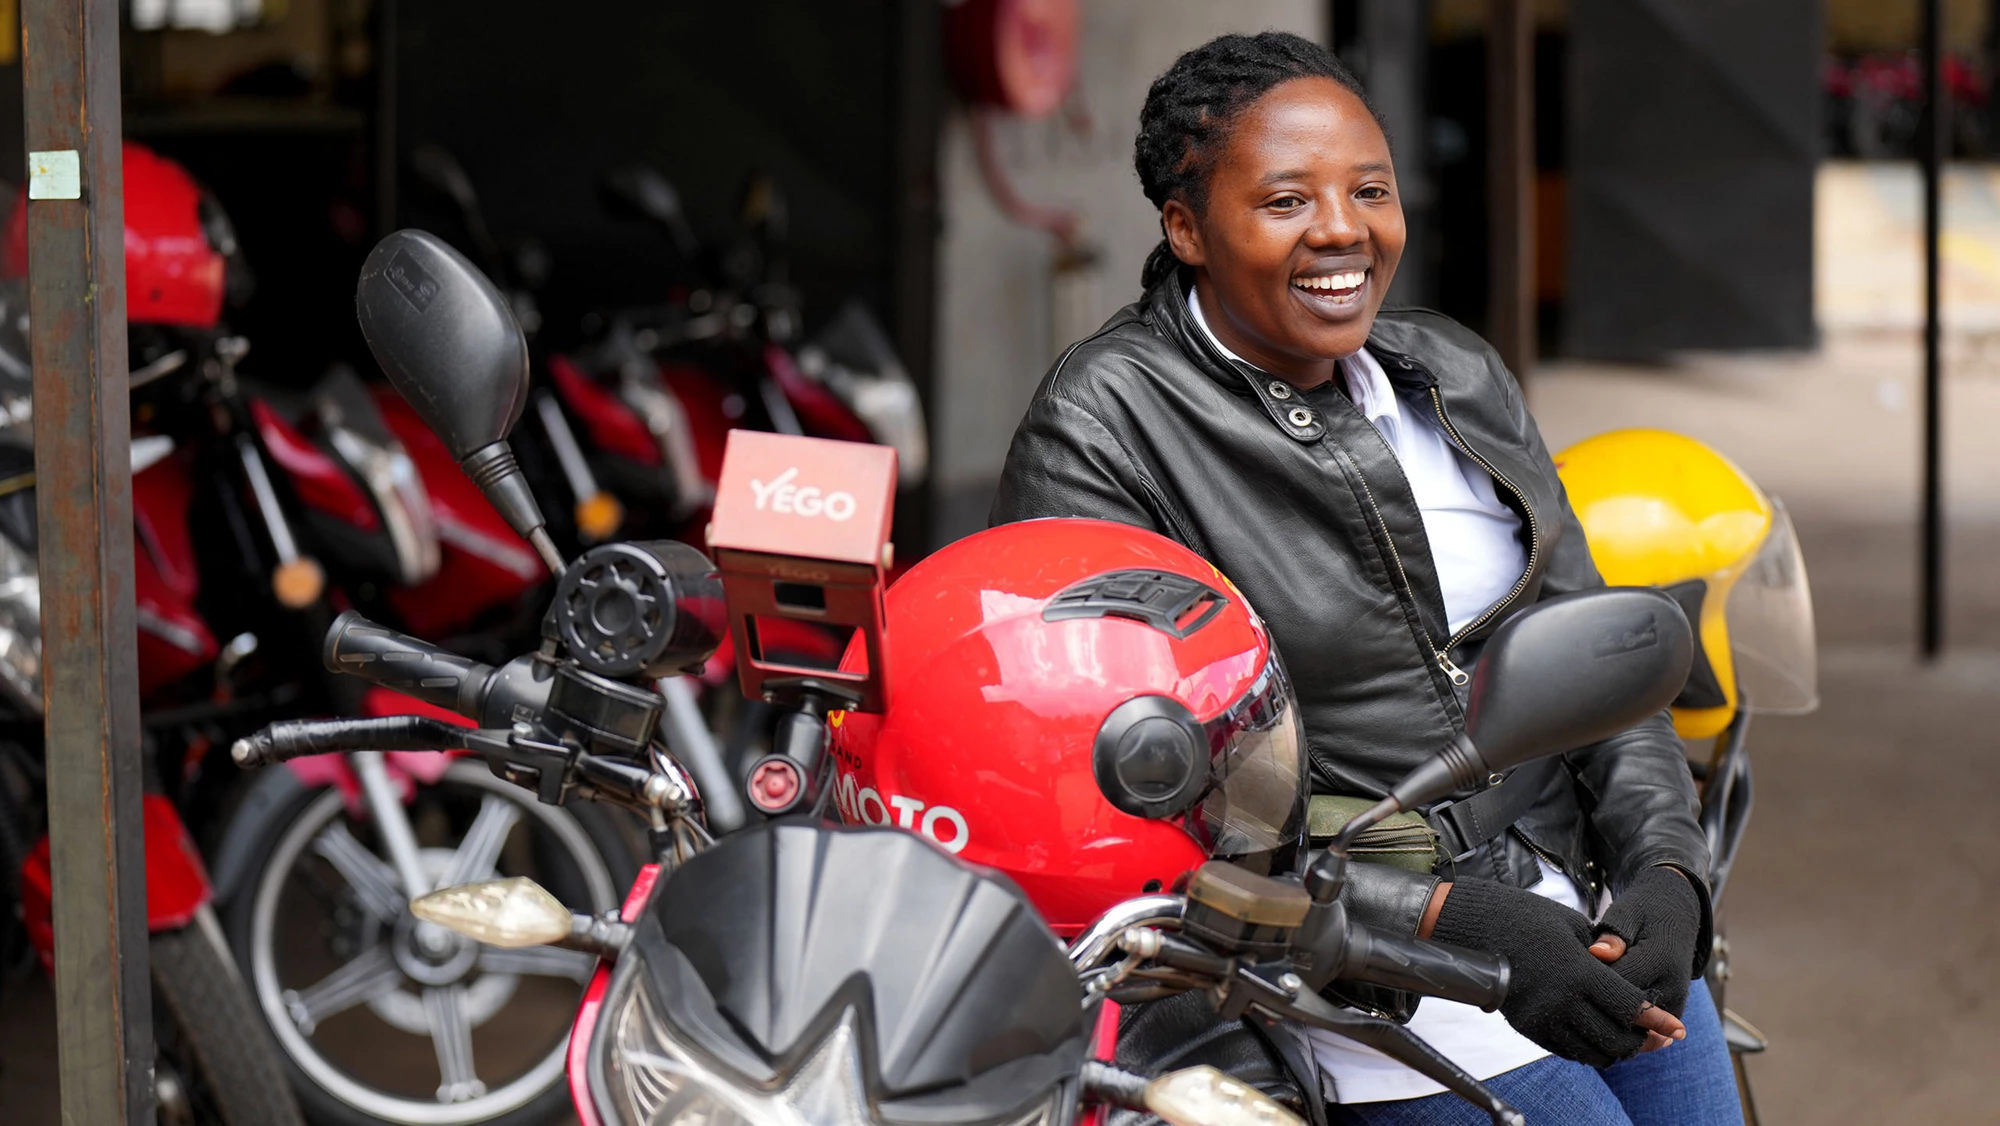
{"x":298,"y":738}
{"x":1430,"y":968}
{"x":356,"y":646}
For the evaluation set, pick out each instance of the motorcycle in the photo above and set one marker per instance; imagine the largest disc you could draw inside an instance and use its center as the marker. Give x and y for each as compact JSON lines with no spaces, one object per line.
{"x":308,"y":850}
{"x":258,"y":512}
{"x":744,"y":976}
{"x":642,"y":413}
{"x":1745,"y":585}
{"x":660,"y":388}
{"x":213,"y":1064}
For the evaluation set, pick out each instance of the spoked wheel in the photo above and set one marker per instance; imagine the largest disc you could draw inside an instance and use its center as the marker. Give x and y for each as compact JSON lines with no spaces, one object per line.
{"x":383,"y":1020}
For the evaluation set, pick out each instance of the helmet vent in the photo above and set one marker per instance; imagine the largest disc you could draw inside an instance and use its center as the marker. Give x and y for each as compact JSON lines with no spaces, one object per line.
{"x":1173,"y":604}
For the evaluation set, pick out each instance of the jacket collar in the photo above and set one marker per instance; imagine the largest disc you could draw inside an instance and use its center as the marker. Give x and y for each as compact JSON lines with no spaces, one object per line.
{"x":1167,"y":306}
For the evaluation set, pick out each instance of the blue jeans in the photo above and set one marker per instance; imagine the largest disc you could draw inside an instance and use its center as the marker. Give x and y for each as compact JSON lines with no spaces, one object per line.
{"x":1690,"y":1083}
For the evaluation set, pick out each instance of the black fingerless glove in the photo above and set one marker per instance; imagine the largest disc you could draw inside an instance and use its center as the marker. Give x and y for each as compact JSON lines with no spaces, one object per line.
{"x":1659,"y":917}
{"x":1560,"y":996}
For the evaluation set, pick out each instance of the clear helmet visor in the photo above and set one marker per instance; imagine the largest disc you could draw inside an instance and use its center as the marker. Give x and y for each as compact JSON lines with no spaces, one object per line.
{"x":1256,"y":800}
{"x":1771,"y":636}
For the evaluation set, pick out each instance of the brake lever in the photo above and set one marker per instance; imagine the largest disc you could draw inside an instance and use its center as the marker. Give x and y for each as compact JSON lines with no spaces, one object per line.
{"x":301,"y":738}
{"x":1389,"y":1038}
{"x":1272,"y":992}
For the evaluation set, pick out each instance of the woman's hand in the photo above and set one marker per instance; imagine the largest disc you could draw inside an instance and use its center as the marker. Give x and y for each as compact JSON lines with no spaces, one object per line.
{"x":1560,"y":996}
{"x":1649,"y":936}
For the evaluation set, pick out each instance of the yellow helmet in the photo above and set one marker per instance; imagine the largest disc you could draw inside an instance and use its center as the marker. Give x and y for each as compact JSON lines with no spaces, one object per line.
{"x":1661,"y":509}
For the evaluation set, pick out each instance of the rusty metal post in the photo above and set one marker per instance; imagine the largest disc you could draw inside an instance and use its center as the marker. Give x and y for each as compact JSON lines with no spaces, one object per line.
{"x":83,"y":478}
{"x":1510,"y":182}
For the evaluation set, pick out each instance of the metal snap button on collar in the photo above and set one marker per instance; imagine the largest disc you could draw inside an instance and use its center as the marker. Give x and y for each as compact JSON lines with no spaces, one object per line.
{"x":1279,"y":389}
{"x":1301,"y":417}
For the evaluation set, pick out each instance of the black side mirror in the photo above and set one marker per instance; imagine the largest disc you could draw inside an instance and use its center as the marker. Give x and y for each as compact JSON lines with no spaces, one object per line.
{"x":435,"y":166}
{"x":441,"y":171}
{"x":449,"y":343}
{"x":638,"y":192}
{"x":1574,"y":670}
{"x":1560,"y":675}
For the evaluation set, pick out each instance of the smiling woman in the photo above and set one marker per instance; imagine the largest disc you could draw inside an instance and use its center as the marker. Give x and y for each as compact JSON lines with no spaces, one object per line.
{"x":1371,"y":482}
{"x":1298,"y":232}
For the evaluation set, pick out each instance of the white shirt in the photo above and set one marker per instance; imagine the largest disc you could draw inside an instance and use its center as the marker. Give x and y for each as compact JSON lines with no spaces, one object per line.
{"x":1475,"y":540}
{"x":1475,"y":543}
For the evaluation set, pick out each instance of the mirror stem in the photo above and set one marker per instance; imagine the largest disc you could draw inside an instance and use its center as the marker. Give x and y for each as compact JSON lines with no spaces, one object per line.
{"x":493,"y":469}
{"x":538,"y":538}
{"x":1459,"y":768}
{"x":1456,"y":769}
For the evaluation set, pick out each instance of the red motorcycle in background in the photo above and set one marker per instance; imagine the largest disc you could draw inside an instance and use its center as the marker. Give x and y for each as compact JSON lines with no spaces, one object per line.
{"x":660,"y":387}
{"x":1874,"y":103}
{"x":259,"y":512}
{"x":316,"y":860}
{"x":655,"y":392}
{"x":215,"y":1065}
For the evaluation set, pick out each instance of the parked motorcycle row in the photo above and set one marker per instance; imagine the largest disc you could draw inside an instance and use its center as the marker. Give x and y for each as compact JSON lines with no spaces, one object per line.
{"x":1874,"y":105}
{"x":260,"y":512}
{"x":546,"y":712}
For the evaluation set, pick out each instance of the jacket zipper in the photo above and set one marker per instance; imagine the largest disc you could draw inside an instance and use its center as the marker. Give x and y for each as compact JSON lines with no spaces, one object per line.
{"x":1589,"y":883}
{"x":1534,"y":536}
{"x":1458,"y":676}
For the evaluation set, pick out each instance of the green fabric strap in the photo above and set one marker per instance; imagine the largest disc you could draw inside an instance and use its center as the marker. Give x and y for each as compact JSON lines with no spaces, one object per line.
{"x":1403,"y":841}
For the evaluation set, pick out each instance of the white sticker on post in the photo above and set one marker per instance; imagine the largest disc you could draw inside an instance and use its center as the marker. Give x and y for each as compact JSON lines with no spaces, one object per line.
{"x":54,"y":175}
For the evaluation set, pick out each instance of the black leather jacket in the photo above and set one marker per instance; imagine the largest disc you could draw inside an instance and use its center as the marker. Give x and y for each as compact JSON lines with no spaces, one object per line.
{"x":1299,"y":500}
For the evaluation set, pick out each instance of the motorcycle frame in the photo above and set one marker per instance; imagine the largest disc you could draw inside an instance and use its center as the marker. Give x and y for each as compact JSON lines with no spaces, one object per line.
{"x":591,"y":1008}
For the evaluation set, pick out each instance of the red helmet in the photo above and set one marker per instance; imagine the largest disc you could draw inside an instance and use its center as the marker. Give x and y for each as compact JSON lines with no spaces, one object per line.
{"x":1086,"y":706}
{"x":176,"y":244}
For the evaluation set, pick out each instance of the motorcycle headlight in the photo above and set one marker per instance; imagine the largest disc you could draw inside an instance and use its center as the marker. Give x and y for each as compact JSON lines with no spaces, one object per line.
{"x":20,"y":628}
{"x":659,"y":1082}
{"x":663,"y":1084}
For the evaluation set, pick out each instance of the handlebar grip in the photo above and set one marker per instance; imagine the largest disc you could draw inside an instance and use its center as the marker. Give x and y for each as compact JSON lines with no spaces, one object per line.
{"x":301,"y":737}
{"x":1430,"y":968}
{"x":358,"y":647}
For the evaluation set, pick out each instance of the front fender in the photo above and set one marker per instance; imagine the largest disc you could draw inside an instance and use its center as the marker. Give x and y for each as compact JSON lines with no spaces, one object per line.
{"x":177,"y":886}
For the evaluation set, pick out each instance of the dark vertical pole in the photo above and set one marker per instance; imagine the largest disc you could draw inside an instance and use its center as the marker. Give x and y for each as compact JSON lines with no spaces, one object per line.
{"x":385,"y":116}
{"x":1510,"y":181}
{"x":1398,"y":34}
{"x":917,"y":48}
{"x":1933,"y":139}
{"x":83,"y":475}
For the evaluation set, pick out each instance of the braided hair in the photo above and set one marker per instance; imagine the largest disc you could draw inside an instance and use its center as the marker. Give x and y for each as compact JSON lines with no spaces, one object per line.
{"x":1190,"y":109}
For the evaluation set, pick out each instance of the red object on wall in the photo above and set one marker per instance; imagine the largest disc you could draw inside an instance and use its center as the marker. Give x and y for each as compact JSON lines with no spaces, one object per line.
{"x":1015,"y":55}
{"x":176,"y":883}
{"x":173,"y":273}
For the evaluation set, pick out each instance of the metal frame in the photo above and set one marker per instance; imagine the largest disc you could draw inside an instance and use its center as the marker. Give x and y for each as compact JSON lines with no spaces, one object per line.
{"x":1510,"y":182}
{"x":83,"y":474}
{"x":914,"y":223}
{"x":1933,"y":145}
